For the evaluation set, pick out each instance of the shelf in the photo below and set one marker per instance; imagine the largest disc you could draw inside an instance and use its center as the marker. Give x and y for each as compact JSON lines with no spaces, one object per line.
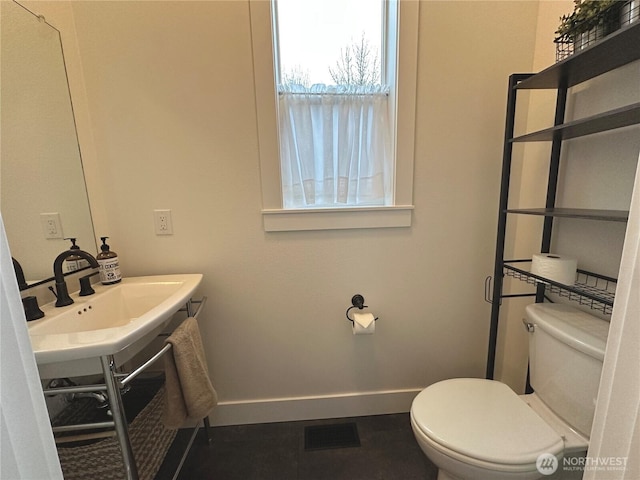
{"x":591,"y":289}
{"x":618,"y":118}
{"x":614,"y":51}
{"x":589,"y":214}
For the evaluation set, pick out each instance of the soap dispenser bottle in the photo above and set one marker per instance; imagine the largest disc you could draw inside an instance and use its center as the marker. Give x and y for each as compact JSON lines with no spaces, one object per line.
{"x":109,"y":264}
{"x":71,"y":264}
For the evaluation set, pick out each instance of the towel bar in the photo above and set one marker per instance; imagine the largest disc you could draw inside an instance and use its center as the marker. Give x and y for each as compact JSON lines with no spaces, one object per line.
{"x":188,"y":308}
{"x":144,"y":366}
{"x":164,"y":349}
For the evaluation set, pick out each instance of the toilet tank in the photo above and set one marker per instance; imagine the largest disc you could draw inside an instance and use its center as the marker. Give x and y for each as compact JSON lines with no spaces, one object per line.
{"x":566,"y":350}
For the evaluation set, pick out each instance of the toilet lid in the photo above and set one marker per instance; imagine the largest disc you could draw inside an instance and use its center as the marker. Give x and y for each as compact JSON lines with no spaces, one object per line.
{"x":484,"y":420}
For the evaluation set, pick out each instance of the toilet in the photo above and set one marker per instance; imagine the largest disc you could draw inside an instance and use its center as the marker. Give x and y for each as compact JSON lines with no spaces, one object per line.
{"x":477,"y":429}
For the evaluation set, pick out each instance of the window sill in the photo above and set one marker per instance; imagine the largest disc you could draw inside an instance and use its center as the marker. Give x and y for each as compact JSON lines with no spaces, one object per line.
{"x":279,"y":220}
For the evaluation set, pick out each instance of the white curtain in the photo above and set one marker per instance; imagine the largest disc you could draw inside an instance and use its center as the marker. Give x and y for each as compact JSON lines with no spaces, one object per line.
{"x":615,"y":435}
{"x":335,"y":146}
{"x":27,"y":447}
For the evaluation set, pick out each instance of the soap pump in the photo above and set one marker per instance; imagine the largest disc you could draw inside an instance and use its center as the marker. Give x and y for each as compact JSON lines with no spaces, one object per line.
{"x":71,"y":264}
{"x":109,"y":264}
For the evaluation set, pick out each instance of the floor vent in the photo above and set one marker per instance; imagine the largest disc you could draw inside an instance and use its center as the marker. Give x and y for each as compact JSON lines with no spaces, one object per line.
{"x":339,"y":435}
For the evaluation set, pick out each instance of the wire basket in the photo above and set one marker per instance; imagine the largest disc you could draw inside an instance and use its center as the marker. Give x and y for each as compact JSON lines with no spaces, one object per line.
{"x":629,"y":12}
{"x":585,"y":34}
{"x":590,"y":289}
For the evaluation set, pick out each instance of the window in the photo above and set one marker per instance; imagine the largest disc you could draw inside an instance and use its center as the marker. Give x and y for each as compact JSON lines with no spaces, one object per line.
{"x":333,"y":103}
{"x":336,"y":142}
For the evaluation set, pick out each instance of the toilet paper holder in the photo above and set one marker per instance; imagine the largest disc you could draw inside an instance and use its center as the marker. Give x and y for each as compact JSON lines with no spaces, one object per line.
{"x":357,"y":301}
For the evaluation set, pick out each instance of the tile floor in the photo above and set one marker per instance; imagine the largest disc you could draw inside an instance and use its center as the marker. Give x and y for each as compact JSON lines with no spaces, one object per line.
{"x":387,"y":451}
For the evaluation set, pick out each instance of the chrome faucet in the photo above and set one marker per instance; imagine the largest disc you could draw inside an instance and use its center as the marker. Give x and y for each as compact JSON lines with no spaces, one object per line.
{"x":62,"y":293}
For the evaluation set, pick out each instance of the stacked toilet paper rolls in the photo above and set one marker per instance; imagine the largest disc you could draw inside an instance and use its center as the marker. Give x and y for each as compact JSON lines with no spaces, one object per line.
{"x":364,"y":324}
{"x":559,"y":268}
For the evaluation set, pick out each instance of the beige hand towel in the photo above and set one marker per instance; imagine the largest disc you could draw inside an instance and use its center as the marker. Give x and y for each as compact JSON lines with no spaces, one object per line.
{"x":189,"y":392}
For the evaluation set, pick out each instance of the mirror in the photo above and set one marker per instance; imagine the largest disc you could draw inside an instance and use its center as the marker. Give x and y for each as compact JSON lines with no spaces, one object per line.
{"x":40,"y":165}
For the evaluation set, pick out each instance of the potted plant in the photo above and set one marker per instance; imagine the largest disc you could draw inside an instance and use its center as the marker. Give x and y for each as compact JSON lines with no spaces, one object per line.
{"x":589,"y":21}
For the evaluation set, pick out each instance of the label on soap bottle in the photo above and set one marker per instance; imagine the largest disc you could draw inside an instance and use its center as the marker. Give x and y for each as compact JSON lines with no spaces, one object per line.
{"x":109,"y":270}
{"x":70,"y":266}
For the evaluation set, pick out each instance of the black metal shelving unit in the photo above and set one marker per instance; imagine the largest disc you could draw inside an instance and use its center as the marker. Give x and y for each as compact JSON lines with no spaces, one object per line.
{"x":591,"y":289}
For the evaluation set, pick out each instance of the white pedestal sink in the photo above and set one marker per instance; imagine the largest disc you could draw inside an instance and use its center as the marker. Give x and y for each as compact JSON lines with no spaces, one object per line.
{"x":117,"y":320}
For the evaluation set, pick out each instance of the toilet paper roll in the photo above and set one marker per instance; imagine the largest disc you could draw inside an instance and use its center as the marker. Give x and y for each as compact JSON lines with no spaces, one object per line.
{"x":558,"y":268}
{"x":364,"y":324}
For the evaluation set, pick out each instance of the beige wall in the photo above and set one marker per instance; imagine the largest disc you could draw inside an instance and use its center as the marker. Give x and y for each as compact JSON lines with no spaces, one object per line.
{"x":170,"y":111}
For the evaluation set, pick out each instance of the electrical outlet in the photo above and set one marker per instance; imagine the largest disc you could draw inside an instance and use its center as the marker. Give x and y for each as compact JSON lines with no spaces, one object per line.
{"x":51,"y":225}
{"x":162,"y":222}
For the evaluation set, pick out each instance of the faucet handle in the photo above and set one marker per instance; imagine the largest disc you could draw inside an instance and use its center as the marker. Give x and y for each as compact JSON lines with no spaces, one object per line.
{"x":85,"y":285}
{"x":31,"y":309}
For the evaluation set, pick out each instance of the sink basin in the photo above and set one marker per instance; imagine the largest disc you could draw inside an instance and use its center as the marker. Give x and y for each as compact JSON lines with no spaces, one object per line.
{"x":118,"y":320}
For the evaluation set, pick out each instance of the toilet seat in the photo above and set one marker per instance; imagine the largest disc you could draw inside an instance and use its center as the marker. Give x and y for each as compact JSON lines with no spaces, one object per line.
{"x":483,"y":423}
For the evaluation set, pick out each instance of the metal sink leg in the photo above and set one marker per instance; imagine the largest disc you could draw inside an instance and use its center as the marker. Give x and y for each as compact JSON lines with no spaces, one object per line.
{"x":119,"y":418}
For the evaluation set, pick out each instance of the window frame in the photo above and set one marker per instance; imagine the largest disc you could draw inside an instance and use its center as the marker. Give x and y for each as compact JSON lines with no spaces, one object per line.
{"x":276,"y":218}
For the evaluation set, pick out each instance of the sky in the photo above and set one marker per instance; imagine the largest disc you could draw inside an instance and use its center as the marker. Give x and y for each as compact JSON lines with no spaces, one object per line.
{"x":312,"y":32}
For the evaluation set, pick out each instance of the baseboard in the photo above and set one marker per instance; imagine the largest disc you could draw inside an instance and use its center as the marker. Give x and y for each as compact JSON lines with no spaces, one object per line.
{"x":313,"y":407}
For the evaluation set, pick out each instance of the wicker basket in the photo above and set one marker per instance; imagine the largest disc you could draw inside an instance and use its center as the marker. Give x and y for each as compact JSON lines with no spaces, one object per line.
{"x":150,"y":441}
